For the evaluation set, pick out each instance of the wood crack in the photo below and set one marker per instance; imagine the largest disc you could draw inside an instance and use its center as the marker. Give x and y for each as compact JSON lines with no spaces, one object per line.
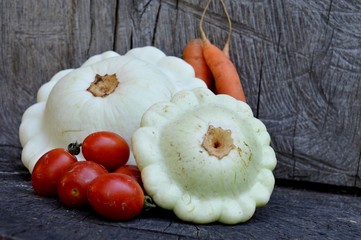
{"x":156,"y":24}
{"x":358,"y":172}
{"x":259,"y":90}
{"x":116,"y":26}
{"x":144,"y":8}
{"x":329,"y":12}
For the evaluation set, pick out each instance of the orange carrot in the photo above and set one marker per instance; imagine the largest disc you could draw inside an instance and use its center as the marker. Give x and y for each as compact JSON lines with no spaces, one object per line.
{"x":193,"y":54}
{"x":227,"y":80}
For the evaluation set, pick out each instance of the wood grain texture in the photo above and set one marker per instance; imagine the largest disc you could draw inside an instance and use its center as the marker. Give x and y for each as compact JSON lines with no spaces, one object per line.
{"x":39,"y":38}
{"x":298,"y":60}
{"x":291,"y":214}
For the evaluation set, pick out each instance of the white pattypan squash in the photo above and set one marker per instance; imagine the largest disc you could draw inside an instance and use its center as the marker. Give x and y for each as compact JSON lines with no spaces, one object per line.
{"x":109,"y":92}
{"x":205,"y":157}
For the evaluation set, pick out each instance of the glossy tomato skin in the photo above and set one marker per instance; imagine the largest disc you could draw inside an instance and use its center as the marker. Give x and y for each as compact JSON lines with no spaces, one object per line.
{"x":132,"y":171}
{"x":116,"y":196}
{"x":48,"y":170}
{"x":73,"y":185}
{"x":106,"y":148}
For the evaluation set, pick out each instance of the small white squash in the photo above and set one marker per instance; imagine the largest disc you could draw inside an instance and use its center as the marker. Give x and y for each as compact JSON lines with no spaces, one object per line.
{"x":205,"y":157}
{"x":109,"y":92}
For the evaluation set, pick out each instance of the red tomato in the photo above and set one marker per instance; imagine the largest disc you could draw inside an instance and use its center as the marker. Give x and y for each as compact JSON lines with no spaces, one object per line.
{"x":132,"y":171}
{"x":116,"y":196}
{"x":48,"y":170}
{"x":73,"y":185}
{"x":106,"y":148}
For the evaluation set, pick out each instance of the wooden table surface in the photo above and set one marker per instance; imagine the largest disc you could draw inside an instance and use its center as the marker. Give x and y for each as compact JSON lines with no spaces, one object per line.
{"x":292,"y":213}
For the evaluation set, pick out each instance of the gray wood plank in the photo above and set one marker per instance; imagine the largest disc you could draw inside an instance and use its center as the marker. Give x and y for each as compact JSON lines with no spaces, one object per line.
{"x":291,"y":214}
{"x":39,"y":38}
{"x":298,"y":60}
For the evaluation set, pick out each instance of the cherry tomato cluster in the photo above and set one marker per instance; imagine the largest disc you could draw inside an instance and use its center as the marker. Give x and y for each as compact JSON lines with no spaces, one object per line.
{"x":103,"y":181}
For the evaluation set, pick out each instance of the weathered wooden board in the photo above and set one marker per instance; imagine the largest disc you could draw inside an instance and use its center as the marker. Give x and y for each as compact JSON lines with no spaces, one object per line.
{"x":291,"y":214}
{"x":299,"y":62}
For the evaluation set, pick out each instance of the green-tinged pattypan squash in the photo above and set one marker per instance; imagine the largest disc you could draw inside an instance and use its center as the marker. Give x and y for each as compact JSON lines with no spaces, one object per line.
{"x":205,"y":157}
{"x":109,"y":92}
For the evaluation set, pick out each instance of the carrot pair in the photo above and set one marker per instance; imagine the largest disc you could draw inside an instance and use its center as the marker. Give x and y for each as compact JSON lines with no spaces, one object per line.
{"x":193,"y":54}
{"x":212,"y":64}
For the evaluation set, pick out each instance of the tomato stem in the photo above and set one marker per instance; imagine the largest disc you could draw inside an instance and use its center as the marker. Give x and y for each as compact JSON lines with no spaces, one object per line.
{"x":74,"y":148}
{"x":148,"y":203}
